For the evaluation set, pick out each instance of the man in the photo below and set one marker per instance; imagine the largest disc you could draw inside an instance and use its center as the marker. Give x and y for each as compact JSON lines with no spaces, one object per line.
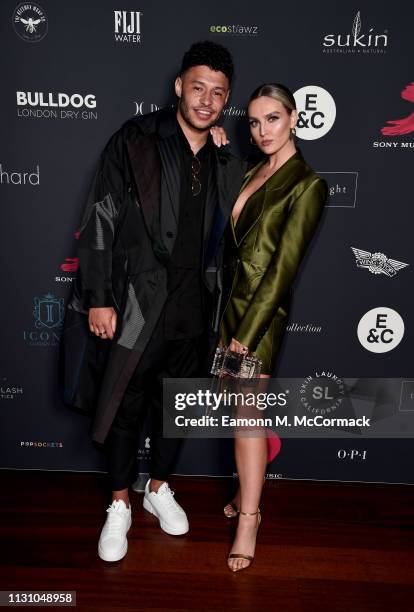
{"x":148,"y":239}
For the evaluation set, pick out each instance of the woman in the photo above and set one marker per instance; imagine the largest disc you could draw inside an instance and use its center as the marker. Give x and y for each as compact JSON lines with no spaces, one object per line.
{"x":273,"y":221}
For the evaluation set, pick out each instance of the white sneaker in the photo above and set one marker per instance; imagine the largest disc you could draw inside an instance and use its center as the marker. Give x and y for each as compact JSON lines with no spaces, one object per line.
{"x":113,"y":543}
{"x":173,"y":519}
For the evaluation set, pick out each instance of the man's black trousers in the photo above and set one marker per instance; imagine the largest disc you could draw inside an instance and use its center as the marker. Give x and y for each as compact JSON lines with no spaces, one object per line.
{"x":161,"y":359}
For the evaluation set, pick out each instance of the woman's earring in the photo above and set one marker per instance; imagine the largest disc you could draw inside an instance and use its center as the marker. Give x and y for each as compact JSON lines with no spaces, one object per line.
{"x":293,"y":132}
{"x":252,"y":142}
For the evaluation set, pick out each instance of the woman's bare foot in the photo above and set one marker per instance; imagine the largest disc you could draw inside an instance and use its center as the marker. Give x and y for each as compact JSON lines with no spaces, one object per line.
{"x":232,"y":508}
{"x":245,"y":541}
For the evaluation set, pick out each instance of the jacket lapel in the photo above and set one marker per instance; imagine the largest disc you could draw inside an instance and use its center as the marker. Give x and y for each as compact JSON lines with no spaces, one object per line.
{"x":146,"y":168}
{"x":170,"y":160}
{"x":251,"y":210}
{"x":229,"y":175}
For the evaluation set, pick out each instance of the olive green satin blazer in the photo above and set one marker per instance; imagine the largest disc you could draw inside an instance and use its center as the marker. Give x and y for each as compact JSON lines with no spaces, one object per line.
{"x":266,"y":247}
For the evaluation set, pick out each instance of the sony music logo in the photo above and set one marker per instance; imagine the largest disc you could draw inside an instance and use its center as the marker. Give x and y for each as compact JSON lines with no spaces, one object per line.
{"x":127,"y":26}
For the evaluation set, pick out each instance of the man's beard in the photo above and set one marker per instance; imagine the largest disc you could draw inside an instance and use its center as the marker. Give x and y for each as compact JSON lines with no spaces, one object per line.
{"x":185,"y":113}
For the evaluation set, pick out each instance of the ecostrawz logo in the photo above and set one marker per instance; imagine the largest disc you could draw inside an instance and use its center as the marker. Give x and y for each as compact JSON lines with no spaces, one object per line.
{"x":358,"y":40}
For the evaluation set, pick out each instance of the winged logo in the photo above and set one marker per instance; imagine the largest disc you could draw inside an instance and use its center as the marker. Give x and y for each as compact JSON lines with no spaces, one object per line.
{"x":377,"y":263}
{"x":31,"y":23}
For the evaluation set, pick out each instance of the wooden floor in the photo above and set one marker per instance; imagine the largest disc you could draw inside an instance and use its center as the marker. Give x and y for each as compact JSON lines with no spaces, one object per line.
{"x":321,"y":547}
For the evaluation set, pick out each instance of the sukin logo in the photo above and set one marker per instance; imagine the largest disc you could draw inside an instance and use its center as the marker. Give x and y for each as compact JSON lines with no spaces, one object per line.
{"x":127,"y":26}
{"x":377,"y":263}
{"x":19,"y":178}
{"x":355,"y":42}
{"x":50,"y":105}
{"x":30,"y":22}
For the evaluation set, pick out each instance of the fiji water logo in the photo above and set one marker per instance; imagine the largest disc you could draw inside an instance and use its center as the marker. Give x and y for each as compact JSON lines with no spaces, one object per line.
{"x":355,"y":40}
{"x":48,"y":313}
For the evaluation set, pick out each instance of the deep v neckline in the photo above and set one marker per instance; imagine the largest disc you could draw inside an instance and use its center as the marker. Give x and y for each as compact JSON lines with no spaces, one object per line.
{"x":254,"y":171}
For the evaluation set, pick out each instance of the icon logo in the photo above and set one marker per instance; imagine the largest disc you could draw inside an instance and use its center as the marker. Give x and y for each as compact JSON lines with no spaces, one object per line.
{"x":316,"y":112}
{"x":377,"y":263}
{"x":397,"y":127}
{"x":380,"y":330}
{"x":49,"y":311}
{"x":30,"y":22}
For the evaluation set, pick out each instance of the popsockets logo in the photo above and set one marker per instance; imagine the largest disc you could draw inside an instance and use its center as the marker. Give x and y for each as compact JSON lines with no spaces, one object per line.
{"x":380,"y":330}
{"x":316,"y":112}
{"x":30,"y":22}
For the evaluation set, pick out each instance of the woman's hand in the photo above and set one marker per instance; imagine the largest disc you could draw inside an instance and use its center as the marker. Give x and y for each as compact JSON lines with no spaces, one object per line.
{"x":219,"y":136}
{"x":237,"y":347}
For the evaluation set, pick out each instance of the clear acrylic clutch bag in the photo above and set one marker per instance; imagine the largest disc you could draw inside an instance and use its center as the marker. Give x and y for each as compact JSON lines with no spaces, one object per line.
{"x":230,"y":363}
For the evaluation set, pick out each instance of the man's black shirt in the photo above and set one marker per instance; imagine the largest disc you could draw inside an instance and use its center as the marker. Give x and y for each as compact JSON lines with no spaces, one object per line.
{"x":184,"y":307}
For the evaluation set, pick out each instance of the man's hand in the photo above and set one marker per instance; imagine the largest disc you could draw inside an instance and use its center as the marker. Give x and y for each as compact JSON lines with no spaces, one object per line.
{"x":102,"y":322}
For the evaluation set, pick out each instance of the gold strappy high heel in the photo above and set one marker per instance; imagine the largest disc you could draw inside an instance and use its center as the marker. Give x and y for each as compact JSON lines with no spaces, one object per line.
{"x":241,"y":555}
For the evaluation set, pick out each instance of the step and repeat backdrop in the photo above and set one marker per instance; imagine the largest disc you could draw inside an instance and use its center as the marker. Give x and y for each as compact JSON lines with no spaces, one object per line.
{"x":73,"y":72}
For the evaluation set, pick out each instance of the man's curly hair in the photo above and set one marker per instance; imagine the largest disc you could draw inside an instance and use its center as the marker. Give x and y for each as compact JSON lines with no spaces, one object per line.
{"x":208,"y":53}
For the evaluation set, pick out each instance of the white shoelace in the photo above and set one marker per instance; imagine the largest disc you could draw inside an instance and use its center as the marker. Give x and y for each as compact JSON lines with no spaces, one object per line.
{"x":168,"y":497}
{"x":116,"y":519}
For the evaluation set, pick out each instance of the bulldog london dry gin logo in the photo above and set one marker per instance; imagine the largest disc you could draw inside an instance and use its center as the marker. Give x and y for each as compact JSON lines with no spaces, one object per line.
{"x":380,"y":330}
{"x":30,"y":22}
{"x":358,"y":40}
{"x":127,"y":26}
{"x":316,"y":112}
{"x":41,"y":105}
{"x":377,"y":263}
